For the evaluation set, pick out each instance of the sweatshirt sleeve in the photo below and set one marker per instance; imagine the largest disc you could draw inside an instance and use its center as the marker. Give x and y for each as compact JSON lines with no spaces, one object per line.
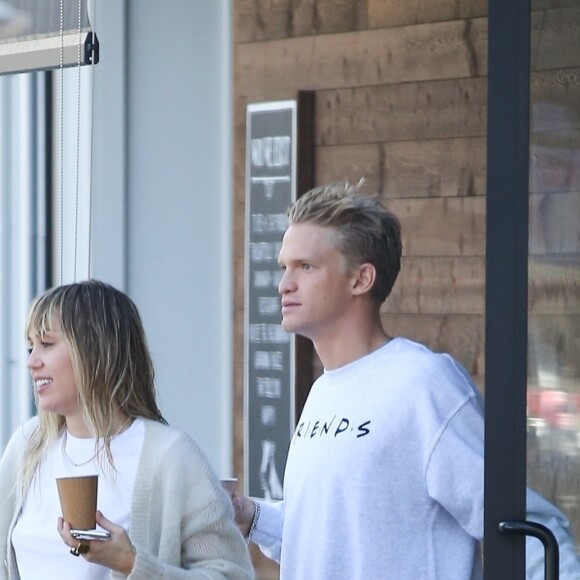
{"x":541,"y":511}
{"x":455,"y":479}
{"x":454,"y":472}
{"x":267,"y":533}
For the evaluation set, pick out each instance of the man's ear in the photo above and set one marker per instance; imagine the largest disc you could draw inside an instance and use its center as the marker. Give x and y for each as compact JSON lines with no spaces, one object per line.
{"x":364,"y":278}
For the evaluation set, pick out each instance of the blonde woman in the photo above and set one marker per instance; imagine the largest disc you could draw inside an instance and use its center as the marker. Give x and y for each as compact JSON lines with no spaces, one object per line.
{"x":163,"y":507}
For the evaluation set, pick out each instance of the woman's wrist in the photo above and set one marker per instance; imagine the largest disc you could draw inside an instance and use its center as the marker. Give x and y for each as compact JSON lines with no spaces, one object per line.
{"x":127,"y":567}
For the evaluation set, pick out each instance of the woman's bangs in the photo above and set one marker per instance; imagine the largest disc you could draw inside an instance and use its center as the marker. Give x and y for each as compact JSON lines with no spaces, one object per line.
{"x":41,"y":318}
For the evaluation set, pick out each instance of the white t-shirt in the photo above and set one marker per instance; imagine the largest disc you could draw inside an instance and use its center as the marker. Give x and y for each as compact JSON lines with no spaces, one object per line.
{"x":40,"y":551}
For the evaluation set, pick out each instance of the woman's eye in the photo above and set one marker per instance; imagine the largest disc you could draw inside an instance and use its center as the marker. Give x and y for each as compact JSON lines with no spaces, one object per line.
{"x":306,"y":266}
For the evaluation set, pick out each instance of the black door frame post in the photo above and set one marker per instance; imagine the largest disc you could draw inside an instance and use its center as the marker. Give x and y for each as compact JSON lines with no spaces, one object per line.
{"x":506,"y":296}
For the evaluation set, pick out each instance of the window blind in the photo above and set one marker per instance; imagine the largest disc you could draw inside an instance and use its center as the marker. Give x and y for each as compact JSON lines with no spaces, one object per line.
{"x":34,"y":35}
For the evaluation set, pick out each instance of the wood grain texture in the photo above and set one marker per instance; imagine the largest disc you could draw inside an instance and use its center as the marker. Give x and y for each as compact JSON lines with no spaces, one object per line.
{"x":351,"y":162}
{"x":437,"y":51}
{"x":260,"y":20}
{"x":239,"y":149}
{"x":427,"y":168}
{"x":445,"y":226}
{"x":403,"y":112}
{"x":391,"y":13}
{"x":439,"y":285}
{"x":239,"y":278}
{"x":434,"y":168}
{"x":238,"y":419}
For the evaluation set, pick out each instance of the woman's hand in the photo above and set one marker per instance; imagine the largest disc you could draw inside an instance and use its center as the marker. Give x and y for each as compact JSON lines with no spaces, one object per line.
{"x":116,"y":552}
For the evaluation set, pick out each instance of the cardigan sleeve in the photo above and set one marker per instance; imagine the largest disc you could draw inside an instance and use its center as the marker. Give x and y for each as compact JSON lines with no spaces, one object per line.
{"x":8,"y":474}
{"x":182,"y":521}
{"x":10,"y":494}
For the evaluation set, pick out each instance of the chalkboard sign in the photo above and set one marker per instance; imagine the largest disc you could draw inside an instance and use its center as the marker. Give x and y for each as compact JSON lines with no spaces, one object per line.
{"x":271,"y":160}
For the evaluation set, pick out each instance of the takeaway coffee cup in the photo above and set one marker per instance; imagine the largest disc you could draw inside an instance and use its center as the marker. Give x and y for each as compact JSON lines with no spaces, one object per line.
{"x":78,"y":500}
{"x":229,"y":484}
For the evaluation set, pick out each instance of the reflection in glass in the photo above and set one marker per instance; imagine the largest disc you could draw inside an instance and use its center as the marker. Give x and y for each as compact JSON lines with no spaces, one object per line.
{"x":554,"y":261}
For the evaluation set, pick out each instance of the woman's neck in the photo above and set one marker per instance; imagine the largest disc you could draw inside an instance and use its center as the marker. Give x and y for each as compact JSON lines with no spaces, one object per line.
{"x":77,"y":427}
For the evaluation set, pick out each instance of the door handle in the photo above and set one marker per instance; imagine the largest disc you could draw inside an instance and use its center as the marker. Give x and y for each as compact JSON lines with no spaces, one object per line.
{"x":544,"y":534}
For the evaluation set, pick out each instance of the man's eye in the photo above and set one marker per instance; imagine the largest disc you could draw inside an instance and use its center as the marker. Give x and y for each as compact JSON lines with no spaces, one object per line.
{"x":306,"y":266}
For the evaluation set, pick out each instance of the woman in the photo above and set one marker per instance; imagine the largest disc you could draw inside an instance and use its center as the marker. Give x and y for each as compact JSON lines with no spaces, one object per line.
{"x":97,"y":414}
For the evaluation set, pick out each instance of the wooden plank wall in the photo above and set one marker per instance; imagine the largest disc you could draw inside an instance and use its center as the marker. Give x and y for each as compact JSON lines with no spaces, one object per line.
{"x":400,"y":91}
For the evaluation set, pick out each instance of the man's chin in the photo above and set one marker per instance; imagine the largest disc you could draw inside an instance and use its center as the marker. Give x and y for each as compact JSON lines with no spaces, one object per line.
{"x":286,"y":326}
{"x":289,"y":326}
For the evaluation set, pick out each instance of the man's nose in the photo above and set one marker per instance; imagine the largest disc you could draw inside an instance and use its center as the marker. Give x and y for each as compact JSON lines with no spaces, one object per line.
{"x":285,"y":283}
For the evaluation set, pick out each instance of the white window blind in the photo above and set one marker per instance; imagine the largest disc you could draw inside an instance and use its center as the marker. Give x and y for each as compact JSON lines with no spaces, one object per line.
{"x":45,"y":34}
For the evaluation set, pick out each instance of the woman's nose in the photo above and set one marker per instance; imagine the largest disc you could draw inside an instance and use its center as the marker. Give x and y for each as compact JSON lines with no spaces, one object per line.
{"x":33,"y":360}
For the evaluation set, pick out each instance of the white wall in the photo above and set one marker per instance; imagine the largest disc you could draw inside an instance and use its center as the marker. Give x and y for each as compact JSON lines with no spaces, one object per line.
{"x":161,"y":226}
{"x":21,"y":241}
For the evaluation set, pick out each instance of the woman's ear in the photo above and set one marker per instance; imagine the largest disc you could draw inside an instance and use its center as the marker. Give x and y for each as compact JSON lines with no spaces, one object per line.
{"x":364,"y":277}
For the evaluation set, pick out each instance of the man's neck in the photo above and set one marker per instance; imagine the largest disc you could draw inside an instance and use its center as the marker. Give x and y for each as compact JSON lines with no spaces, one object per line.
{"x":340,"y":349}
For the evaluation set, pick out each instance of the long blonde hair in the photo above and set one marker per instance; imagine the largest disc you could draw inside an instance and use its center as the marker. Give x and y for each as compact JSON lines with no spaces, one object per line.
{"x":110,"y":358}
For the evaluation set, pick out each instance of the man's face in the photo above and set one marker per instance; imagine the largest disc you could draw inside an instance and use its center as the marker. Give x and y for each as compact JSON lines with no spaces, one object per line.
{"x":316,"y":289}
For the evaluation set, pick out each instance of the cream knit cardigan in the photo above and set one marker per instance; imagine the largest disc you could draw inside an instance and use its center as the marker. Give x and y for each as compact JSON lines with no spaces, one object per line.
{"x":182,"y":522}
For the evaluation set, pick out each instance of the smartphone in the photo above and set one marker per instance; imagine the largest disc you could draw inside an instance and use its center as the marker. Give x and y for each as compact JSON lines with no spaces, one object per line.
{"x":90,"y":534}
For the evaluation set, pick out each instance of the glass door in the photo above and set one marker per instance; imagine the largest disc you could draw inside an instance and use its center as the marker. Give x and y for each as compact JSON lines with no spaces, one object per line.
{"x":532,"y":276}
{"x":553,"y":385}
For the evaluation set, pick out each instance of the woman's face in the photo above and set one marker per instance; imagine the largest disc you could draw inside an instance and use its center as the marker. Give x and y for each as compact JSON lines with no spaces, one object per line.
{"x":52,"y":373}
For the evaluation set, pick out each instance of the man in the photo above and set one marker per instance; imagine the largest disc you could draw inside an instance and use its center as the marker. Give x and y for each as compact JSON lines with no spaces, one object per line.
{"x":384,"y":477}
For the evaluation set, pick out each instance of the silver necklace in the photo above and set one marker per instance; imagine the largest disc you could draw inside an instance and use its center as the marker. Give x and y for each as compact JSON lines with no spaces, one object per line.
{"x":122,"y":428}
{"x":79,"y":464}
